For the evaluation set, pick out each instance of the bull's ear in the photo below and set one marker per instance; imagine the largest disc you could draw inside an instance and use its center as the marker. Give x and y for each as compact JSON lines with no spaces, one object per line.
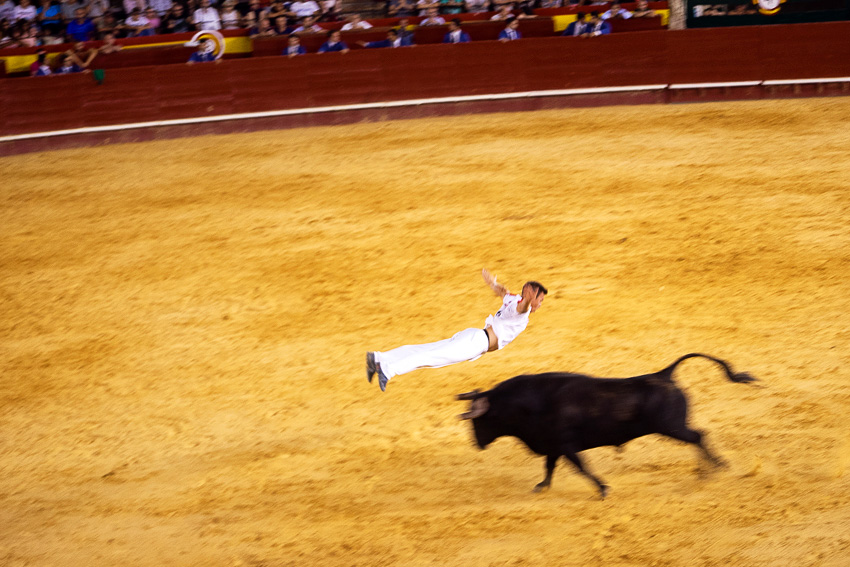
{"x":478,"y":408}
{"x":469,"y":395}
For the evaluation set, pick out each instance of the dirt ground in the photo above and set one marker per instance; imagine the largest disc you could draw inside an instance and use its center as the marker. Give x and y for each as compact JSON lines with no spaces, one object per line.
{"x":184,"y":323}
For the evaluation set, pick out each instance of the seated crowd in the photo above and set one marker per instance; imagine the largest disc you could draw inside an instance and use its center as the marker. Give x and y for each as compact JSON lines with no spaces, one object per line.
{"x":50,"y":22}
{"x":75,"y":21}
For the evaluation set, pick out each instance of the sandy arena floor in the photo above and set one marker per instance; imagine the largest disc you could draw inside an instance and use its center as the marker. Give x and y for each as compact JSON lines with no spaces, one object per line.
{"x":184,"y":326}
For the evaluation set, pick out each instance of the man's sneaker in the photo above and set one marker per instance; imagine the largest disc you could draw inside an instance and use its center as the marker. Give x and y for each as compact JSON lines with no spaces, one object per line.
{"x":370,"y":366}
{"x":382,"y":379}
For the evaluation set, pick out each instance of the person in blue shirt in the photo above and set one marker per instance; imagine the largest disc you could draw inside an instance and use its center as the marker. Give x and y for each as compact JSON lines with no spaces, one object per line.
{"x":405,"y":34}
{"x":49,"y":16}
{"x":202,"y":55}
{"x":510,"y":33}
{"x":334,"y":43}
{"x":455,"y":33}
{"x":578,"y":28}
{"x":40,"y":68}
{"x":66,"y":65}
{"x":294,"y":48}
{"x":598,"y":26}
{"x":80,"y":28}
{"x":393,"y":40}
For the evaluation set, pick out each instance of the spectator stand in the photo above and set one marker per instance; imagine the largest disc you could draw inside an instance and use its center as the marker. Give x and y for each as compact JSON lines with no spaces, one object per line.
{"x":170,"y":49}
{"x":563,"y":17}
{"x":135,"y":52}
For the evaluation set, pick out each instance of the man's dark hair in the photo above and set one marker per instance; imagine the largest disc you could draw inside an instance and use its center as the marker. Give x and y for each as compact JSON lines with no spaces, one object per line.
{"x":394,"y":32}
{"x":331,"y":32}
{"x":456,"y":22}
{"x":580,"y":16}
{"x":537,"y":287}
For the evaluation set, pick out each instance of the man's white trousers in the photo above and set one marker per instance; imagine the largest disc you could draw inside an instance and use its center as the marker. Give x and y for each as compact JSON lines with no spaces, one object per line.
{"x":468,"y":344}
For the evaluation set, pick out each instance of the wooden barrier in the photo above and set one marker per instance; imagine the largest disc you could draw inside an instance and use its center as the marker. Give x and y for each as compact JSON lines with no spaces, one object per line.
{"x":680,"y":58}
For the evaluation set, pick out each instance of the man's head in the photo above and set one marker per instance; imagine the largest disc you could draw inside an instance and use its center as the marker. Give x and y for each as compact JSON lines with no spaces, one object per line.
{"x":80,"y":14}
{"x":534,"y":293}
{"x":355,"y":18}
{"x":513,"y":23}
{"x":205,"y":4}
{"x":580,"y":17}
{"x":294,"y":40}
{"x":392,"y":35}
{"x":432,"y":12}
{"x":334,"y":36}
{"x":402,"y":24}
{"x":454,"y":25}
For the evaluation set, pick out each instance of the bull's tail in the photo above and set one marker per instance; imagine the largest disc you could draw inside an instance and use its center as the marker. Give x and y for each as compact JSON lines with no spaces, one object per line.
{"x":741,"y":377}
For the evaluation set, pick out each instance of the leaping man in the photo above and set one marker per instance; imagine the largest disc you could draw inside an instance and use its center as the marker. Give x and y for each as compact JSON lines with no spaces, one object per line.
{"x":470,"y":344}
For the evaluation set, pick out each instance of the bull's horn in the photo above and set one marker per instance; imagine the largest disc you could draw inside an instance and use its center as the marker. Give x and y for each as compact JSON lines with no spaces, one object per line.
{"x":469,"y":395}
{"x":478,"y":408}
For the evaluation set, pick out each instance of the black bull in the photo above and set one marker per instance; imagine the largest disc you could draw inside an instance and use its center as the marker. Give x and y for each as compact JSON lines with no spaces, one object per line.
{"x":558,"y":413}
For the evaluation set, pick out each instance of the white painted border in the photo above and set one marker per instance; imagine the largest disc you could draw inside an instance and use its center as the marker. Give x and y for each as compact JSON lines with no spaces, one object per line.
{"x":410,"y":102}
{"x":322,"y":109}
{"x":715,"y":85}
{"x":807,"y":81}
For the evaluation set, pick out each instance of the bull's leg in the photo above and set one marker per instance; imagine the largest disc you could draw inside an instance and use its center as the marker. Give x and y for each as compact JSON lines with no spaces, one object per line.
{"x":550,"y":468}
{"x":697,"y":438}
{"x":576,"y":460}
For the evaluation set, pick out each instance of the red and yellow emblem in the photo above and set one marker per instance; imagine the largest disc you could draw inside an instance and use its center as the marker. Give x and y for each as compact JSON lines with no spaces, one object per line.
{"x":768,"y":7}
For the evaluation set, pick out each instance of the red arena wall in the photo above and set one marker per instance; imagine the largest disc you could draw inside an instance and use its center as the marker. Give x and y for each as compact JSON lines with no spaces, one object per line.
{"x":682,"y":64}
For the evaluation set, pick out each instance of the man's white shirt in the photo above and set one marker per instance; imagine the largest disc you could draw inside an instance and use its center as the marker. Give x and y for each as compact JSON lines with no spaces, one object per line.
{"x":207,"y":19}
{"x":507,"y":323}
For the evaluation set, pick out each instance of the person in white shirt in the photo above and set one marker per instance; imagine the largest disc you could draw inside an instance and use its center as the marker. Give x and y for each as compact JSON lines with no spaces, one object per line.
{"x":505,"y":13}
{"x":136,"y":23}
{"x":616,"y":11}
{"x":470,"y":344}
{"x":130,"y":4}
{"x":24,"y":11}
{"x":308,"y":25}
{"x":161,"y":7}
{"x":356,"y":23}
{"x":302,"y":8}
{"x":206,"y":17}
{"x":424,"y":5}
{"x":432,"y":18}
{"x":7,"y":11}
{"x":229,"y":16}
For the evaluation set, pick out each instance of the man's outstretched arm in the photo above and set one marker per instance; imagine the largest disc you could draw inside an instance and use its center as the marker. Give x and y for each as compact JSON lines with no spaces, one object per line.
{"x":497,"y":288}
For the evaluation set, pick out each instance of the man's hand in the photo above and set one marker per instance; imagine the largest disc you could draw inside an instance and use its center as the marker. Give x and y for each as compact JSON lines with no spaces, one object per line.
{"x":497,"y":288}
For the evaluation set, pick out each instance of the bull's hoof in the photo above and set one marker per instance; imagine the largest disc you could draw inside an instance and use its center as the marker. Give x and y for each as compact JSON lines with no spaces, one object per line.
{"x":603,"y":491}
{"x":541,"y":487}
